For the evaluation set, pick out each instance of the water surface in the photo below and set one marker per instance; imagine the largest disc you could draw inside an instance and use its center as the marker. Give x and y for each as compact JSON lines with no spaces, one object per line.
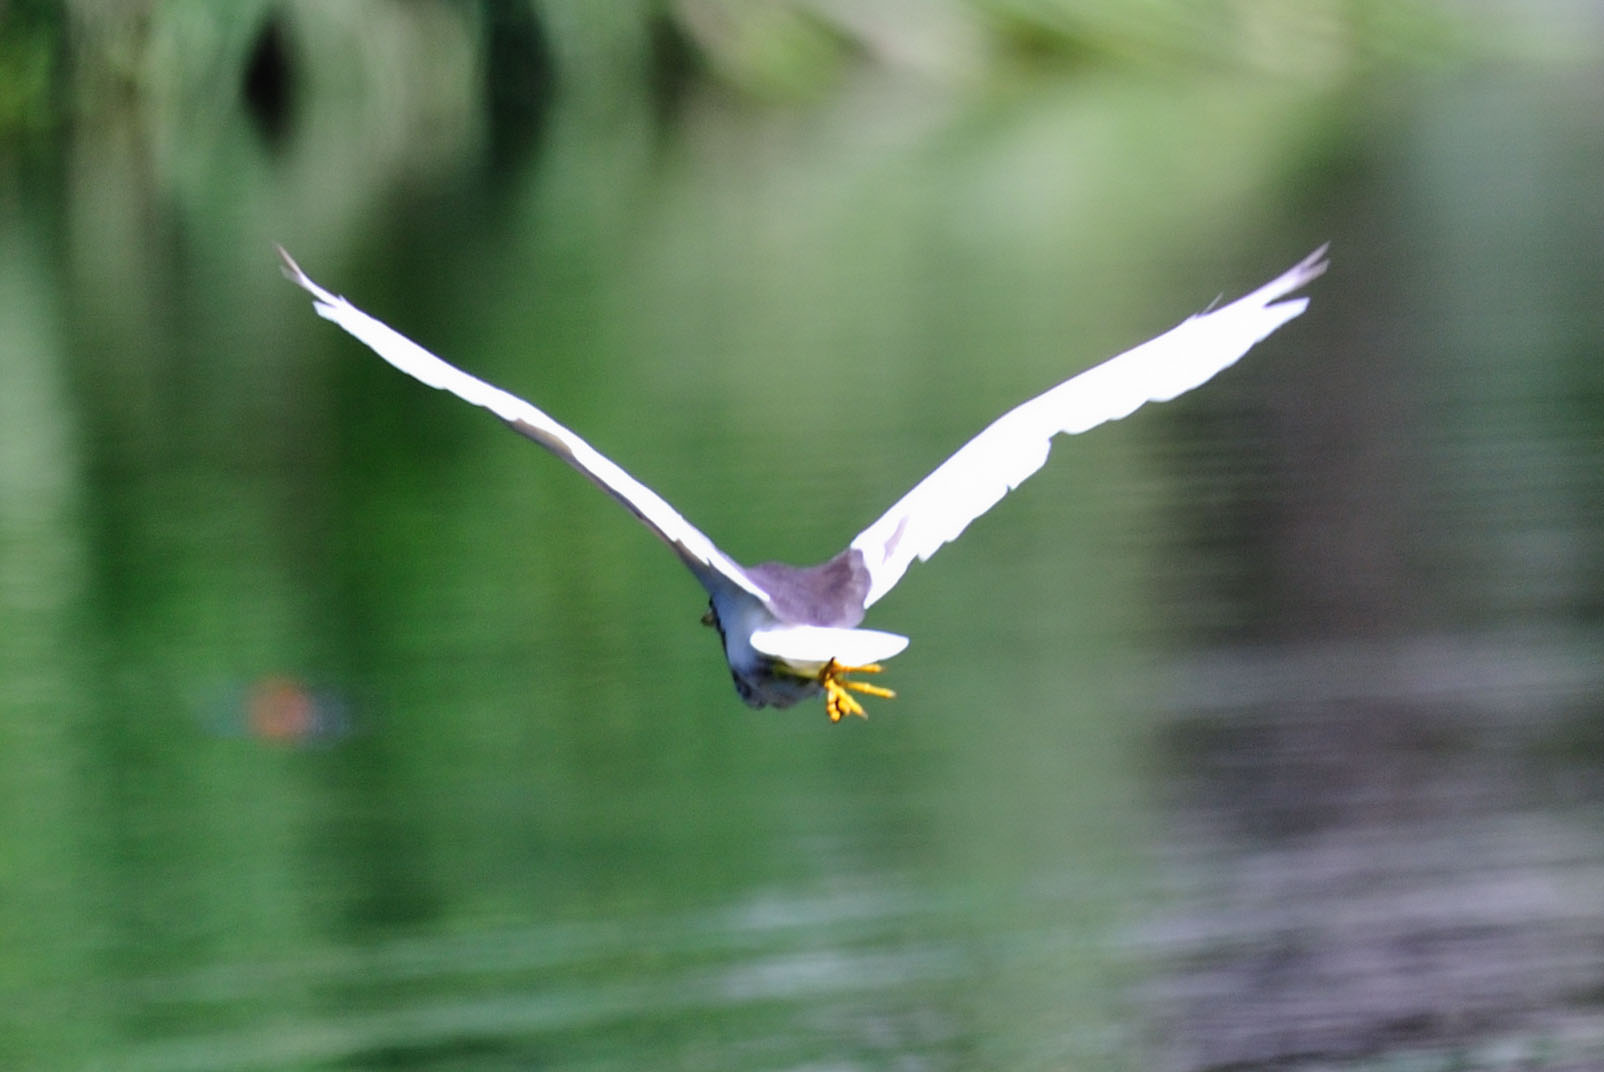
{"x":345,"y":730}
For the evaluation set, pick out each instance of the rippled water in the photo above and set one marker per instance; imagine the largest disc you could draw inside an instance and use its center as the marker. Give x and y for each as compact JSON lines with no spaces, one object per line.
{"x":345,"y":730}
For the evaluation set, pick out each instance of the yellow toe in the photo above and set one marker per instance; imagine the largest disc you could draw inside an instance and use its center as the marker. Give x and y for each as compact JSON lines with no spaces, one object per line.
{"x":838,"y":701}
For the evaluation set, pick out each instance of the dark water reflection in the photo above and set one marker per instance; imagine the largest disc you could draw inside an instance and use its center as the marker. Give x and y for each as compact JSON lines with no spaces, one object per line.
{"x":345,"y":730}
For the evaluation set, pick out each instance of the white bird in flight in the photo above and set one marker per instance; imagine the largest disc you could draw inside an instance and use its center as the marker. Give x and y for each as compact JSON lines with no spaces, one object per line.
{"x":790,"y":632}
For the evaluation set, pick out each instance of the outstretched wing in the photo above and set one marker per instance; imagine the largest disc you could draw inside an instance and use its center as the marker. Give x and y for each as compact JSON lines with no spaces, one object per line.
{"x":1015,"y":445}
{"x":712,"y":567}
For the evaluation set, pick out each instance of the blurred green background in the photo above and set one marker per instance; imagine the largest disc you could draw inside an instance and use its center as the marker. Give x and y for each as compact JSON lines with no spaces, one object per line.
{"x":341,"y":729}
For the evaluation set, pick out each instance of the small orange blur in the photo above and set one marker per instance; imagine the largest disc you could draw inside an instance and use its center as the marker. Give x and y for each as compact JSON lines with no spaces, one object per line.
{"x":281,"y":709}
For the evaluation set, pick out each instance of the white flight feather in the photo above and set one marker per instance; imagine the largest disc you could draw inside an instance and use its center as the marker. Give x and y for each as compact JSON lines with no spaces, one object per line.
{"x":1016,"y":444}
{"x":699,"y":553}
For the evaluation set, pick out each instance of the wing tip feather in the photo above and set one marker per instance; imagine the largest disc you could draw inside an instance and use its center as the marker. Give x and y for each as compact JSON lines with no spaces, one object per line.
{"x":324,"y":301}
{"x":1308,"y":269}
{"x":287,"y":265}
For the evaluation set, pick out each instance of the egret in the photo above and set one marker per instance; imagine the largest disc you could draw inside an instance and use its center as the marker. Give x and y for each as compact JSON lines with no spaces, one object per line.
{"x":791,"y":632}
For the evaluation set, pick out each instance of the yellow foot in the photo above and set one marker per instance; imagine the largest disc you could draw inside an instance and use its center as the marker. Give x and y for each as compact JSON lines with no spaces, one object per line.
{"x":837,"y":700}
